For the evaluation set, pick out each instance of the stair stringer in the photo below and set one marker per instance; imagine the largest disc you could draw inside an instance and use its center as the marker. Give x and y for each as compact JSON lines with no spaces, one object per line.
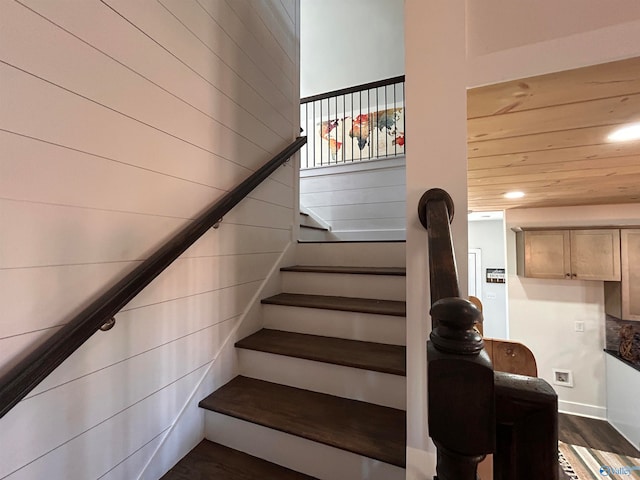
{"x":188,"y":427}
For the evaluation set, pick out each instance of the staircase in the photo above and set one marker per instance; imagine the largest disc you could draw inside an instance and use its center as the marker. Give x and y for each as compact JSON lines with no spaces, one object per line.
{"x":322,"y":388}
{"x":313,"y":230}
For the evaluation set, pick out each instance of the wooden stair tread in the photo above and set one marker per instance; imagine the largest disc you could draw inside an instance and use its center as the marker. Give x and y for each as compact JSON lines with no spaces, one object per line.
{"x":370,"y":430}
{"x":377,"y":357}
{"x":397,"y":271}
{"x":209,"y":460}
{"x":348,"y":304}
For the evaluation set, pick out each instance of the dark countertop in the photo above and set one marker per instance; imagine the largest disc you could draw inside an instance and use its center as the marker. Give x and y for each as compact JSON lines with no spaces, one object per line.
{"x":615,"y":354}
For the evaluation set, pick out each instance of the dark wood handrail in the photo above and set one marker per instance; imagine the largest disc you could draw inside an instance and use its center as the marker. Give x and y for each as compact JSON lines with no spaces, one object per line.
{"x":38,"y":364}
{"x":435,"y":211}
{"x":460,"y":375}
{"x":354,"y":89}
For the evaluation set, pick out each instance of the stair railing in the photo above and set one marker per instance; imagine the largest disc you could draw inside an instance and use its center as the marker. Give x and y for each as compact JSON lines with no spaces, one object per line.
{"x":474,"y":411}
{"x":99,"y":315}
{"x":460,"y":375}
{"x":357,"y":123}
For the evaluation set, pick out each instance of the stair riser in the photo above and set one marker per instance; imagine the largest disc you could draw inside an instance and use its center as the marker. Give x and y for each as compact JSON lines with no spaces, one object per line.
{"x":367,"y":327}
{"x":313,"y":235}
{"x":302,"y":455}
{"x":383,"y":287}
{"x":352,"y":254}
{"x":347,"y":382}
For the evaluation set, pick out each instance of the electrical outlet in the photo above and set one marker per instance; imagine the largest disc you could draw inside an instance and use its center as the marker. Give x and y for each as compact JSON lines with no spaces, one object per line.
{"x":579,"y":326}
{"x":563,"y":377}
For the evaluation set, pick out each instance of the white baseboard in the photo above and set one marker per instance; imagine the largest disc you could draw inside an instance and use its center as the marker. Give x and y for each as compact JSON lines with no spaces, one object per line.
{"x":582,"y":409}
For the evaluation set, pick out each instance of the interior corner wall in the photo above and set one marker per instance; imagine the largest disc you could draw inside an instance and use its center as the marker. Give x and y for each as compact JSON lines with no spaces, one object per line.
{"x":119,"y":122}
{"x":436,"y":158}
{"x":542,"y":312}
{"x":489,"y":237}
{"x":347,"y":43}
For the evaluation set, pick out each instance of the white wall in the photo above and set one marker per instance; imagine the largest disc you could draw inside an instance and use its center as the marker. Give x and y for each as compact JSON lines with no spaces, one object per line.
{"x":359,"y":201}
{"x":119,"y":122}
{"x":489,"y":237}
{"x":347,"y":43}
{"x":515,"y":39}
{"x":542,"y":313}
{"x":436,"y":157}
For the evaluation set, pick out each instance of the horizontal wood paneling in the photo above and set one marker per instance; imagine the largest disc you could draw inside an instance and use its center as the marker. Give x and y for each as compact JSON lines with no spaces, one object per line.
{"x":607,"y":154}
{"x":597,"y":81}
{"x":592,"y":113}
{"x":90,"y":127}
{"x":78,"y":283}
{"x":119,"y":122}
{"x":287,"y":7}
{"x":197,"y":17}
{"x":143,"y":329}
{"x":146,"y":419}
{"x":352,"y":197}
{"x":547,"y":137}
{"x":41,"y":430}
{"x":90,"y":238}
{"x":362,"y":211}
{"x":184,"y":106}
{"x":376,"y":224}
{"x":242,"y":30}
{"x":276,"y":44}
{"x":365,"y":197}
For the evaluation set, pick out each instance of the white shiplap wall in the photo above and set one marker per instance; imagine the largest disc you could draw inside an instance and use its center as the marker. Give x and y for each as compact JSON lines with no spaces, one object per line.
{"x":120,"y":120}
{"x":360,"y":200}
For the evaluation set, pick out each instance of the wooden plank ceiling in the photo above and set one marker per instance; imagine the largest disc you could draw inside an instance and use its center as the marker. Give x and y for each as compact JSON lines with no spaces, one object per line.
{"x":547,"y":137}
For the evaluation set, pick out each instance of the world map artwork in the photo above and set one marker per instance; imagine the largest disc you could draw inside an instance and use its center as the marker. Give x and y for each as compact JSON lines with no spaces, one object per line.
{"x":363,"y":136}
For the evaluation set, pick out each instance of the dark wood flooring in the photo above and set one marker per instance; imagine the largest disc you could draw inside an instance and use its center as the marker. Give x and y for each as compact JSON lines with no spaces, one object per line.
{"x":348,"y":304}
{"x":592,"y":433}
{"x":351,"y":353}
{"x":371,"y":430}
{"x":212,"y":461}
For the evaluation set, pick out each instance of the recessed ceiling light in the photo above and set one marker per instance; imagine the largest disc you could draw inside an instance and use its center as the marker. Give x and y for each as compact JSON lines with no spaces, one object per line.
{"x":626,"y":133}
{"x":514,"y":195}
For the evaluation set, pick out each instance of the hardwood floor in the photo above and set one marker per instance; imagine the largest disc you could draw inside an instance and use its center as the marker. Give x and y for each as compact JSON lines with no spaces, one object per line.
{"x":597,"y":434}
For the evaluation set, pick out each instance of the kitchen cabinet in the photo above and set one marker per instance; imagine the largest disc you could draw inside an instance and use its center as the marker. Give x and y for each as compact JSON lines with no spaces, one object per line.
{"x":622,"y":299}
{"x":582,"y":254}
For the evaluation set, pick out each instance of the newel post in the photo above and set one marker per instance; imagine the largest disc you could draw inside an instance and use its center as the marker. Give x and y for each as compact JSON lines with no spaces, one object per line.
{"x":461,"y":390}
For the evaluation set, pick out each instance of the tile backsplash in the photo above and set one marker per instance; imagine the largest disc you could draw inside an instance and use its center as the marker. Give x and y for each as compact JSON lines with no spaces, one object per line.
{"x":613,"y":326}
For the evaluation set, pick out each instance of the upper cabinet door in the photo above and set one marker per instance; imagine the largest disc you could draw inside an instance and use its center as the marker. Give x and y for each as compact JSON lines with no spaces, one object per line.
{"x":595,"y":254}
{"x":631,"y":274}
{"x":547,"y":254}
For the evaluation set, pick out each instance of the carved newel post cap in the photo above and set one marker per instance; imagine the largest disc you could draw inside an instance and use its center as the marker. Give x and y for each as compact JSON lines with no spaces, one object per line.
{"x":454,"y":333}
